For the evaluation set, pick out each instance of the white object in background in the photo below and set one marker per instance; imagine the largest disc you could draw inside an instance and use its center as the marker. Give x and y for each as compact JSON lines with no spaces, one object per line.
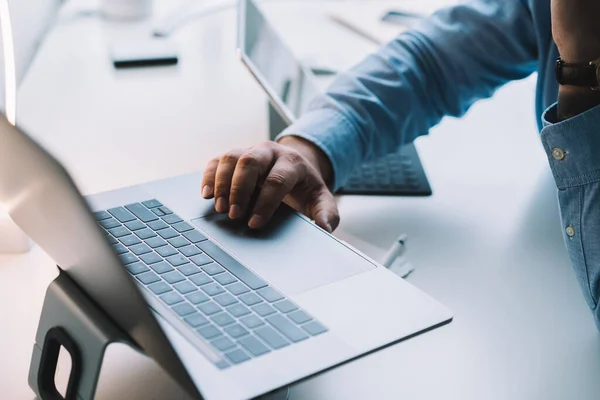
{"x":394,"y":260}
{"x":126,"y":9}
{"x":12,"y":238}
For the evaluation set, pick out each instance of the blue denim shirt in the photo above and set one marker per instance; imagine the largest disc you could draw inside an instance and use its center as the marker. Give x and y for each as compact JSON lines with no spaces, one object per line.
{"x":456,"y":57}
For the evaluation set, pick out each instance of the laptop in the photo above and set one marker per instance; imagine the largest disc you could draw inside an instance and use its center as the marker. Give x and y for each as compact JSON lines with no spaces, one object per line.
{"x":229,"y":312}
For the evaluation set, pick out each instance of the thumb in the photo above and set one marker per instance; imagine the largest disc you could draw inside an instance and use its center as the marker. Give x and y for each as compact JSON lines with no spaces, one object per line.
{"x":323,"y":210}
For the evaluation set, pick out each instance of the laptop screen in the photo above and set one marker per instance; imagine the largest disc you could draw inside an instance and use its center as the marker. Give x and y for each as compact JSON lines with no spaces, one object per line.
{"x":274,"y":64}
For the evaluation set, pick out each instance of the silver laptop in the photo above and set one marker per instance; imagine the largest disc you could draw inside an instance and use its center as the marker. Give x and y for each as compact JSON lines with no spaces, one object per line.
{"x":229,"y":312}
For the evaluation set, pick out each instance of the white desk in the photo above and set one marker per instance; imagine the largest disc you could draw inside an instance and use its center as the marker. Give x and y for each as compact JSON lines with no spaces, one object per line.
{"x":487,"y":244}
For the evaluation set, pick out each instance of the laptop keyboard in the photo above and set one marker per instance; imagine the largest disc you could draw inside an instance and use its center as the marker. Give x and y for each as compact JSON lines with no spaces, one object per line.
{"x":229,"y":307}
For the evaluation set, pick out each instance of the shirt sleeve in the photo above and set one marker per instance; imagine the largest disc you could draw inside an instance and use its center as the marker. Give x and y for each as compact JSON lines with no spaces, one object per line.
{"x":457,"y":56}
{"x":573,"y":149}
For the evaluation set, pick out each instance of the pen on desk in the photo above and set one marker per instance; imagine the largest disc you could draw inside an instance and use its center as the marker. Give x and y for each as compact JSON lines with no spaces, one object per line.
{"x":398,"y":248}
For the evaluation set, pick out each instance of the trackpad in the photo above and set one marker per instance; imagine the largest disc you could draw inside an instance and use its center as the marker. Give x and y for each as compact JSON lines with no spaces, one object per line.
{"x":291,"y":253}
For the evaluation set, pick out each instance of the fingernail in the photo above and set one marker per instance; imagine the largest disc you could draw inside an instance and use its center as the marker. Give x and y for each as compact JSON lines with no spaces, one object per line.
{"x":206,"y":191}
{"x":235,"y":211}
{"x":255,"y":222}
{"x":329,"y":228}
{"x":221,"y":205}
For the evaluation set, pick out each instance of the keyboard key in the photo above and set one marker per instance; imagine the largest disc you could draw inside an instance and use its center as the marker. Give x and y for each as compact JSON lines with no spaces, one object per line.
{"x":160,"y":288}
{"x":212,"y":269}
{"x":200,"y":279}
{"x":209,"y":332}
{"x":121,"y":214}
{"x":283,"y":325}
{"x":184,"y":287}
{"x":201,"y":259}
{"x":183,"y":309}
{"x":254,"y":346}
{"x":182,"y":227}
{"x":178,"y":242}
{"x":236,"y":331}
{"x":209,"y":308}
{"x":285,"y":306}
{"x":168,"y":233}
{"x":140,"y":249}
{"x":135,"y":225}
{"x":173,"y":277}
{"x":194,"y":236}
{"x":161,"y":267}
{"x":148,"y":277}
{"x":236,"y":288}
{"x":111,"y":239}
{"x":195,"y":320}
{"x":171,"y":219}
{"x":238,"y":310}
{"x":314,"y":328}
{"x":136,"y":268}
{"x":264,"y":309}
{"x":232,"y":265}
{"x":252,"y":321}
{"x":151,"y":258}
{"x":197,"y":297}
{"x":119,"y":231}
{"x":141,"y":212}
{"x":127,"y":258}
{"x":101,"y":215}
{"x":213,"y":289}
{"x":250,"y":299}
{"x":157,"y":225}
{"x":222,"y":319}
{"x":225,"y":299}
{"x":269,"y":294}
{"x":177,"y":260}
{"x":299,"y":317}
{"x":189,"y":251}
{"x":145,"y":233}
{"x":225,"y":279}
{"x":272,"y":338}
{"x":152,"y":203}
{"x":119,"y":248}
{"x":129,"y":240}
{"x":171,"y":298}
{"x":109,"y":223}
{"x":166,"y":251}
{"x":155,"y":242}
{"x":222,"y":343}
{"x":189,"y":269}
{"x":237,"y":356}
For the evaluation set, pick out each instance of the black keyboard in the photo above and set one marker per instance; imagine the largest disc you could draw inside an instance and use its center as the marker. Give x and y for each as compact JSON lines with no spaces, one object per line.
{"x":399,"y":174}
{"x":229,"y":307}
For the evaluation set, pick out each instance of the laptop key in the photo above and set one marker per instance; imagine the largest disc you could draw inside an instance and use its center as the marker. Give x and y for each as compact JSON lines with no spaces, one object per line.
{"x":271,"y":337}
{"x":173,"y":277}
{"x":236,"y":288}
{"x":184,"y":287}
{"x":140,"y":249}
{"x":145,"y":233}
{"x":111,"y":239}
{"x":232,"y":265}
{"x":222,"y":319}
{"x":182,"y":227}
{"x":151,"y":258}
{"x":200,"y":279}
{"x":168,"y":233}
{"x":119,"y":248}
{"x":136,"y":268}
{"x":212,"y":269}
{"x":155,"y":242}
{"x":254,"y":346}
{"x":189,"y":251}
{"x":161,"y":267}
{"x":171,"y":219}
{"x":160,"y":288}
{"x":152,"y":203}
{"x":299,"y":317}
{"x":178,"y":242}
{"x":127,"y":258}
{"x":121,"y":214}
{"x":177,"y":260}
{"x":129,"y":240}
{"x":183,"y":309}
{"x":213,"y":289}
{"x":264,"y":310}
{"x":101,"y":215}
{"x":194,"y":236}
{"x":196,"y":320}
{"x":237,"y":356}
{"x":250,"y":299}
{"x":314,"y":328}
{"x":171,"y":298}
{"x":252,"y":321}
{"x":148,"y":277}
{"x":222,"y":343}
{"x":166,"y":251}
{"x":197,"y":297}
{"x":135,"y":225}
{"x":238,"y":310}
{"x":269,"y":294}
{"x":119,"y":231}
{"x":209,"y":308}
{"x":109,"y":223}
{"x":209,"y":332}
{"x":236,"y":331}
{"x":285,"y":306}
{"x":141,"y":212}
{"x":157,"y":225}
{"x":290,"y":330}
{"x":201,"y":259}
{"x":225,"y":299}
{"x":225,"y":279}
{"x":189,"y":269}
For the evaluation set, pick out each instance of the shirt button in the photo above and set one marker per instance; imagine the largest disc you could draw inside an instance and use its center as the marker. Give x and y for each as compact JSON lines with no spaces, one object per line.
{"x":570,"y":231}
{"x":558,"y":153}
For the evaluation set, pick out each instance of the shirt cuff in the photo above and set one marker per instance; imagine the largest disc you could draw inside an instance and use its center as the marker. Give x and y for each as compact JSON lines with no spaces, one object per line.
{"x":572,"y":147}
{"x":335,"y":135}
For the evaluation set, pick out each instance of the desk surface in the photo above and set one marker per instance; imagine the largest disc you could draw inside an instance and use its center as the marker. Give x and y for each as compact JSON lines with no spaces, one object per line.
{"x":488,"y":244}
